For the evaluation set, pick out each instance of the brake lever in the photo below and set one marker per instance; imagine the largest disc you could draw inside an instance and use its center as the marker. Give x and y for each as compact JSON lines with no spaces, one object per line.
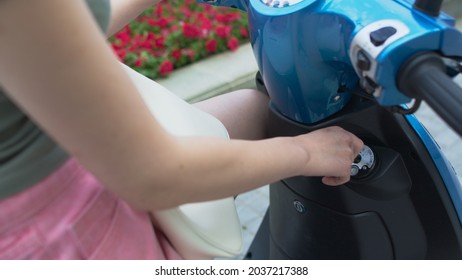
{"x":454,"y":66}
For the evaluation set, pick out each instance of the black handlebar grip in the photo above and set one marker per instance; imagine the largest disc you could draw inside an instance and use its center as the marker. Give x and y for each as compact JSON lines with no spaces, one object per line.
{"x":424,"y":77}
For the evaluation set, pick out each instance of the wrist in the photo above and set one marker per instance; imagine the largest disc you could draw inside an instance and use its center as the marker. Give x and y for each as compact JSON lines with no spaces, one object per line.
{"x":299,"y":156}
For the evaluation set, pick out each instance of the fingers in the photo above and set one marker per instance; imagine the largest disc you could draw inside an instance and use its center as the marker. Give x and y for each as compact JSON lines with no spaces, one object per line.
{"x":356,"y":145}
{"x":335,"y":181}
{"x":350,"y":139}
{"x":332,"y":152}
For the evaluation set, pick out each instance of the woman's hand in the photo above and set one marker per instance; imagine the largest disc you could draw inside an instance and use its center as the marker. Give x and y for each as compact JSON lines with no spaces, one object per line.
{"x":331,"y":152}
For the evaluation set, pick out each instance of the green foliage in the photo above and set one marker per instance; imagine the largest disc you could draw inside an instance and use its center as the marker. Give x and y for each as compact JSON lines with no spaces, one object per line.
{"x":176,"y":33}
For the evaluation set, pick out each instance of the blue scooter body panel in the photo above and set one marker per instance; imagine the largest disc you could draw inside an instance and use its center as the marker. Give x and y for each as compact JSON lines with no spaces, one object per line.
{"x":444,"y":167}
{"x":303,"y":50}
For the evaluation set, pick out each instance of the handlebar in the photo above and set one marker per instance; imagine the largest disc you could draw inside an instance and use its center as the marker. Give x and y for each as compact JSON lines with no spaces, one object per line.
{"x":424,"y":77}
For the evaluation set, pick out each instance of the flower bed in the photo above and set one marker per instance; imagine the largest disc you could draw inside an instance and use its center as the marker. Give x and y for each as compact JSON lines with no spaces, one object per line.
{"x":175,"y":33}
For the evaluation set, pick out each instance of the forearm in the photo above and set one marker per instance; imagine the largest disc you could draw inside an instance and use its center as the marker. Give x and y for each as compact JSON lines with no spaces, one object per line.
{"x":123,"y":11}
{"x":209,"y":168}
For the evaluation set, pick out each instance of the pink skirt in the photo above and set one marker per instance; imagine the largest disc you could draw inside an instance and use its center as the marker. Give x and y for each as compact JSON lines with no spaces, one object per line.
{"x":69,"y":215}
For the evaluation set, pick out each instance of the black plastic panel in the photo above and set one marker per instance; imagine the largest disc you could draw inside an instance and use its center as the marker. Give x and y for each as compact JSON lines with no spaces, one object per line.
{"x":402,"y":211}
{"x":323,"y":233}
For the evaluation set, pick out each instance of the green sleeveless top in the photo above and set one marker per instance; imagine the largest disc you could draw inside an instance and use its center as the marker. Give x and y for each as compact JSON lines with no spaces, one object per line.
{"x":27,"y":154}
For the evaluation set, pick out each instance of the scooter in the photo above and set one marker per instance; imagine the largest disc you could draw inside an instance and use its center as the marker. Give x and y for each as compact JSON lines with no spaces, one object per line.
{"x":365,"y":66}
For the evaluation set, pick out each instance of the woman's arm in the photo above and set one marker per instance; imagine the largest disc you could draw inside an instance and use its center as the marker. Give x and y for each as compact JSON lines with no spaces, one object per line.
{"x":123,"y":11}
{"x":67,"y":79}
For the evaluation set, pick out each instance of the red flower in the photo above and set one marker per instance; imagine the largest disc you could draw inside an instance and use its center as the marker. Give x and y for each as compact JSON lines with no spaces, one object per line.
{"x":117,"y":46}
{"x":227,"y":18}
{"x":190,"y":53}
{"x":132,"y":48}
{"x":124,"y":37}
{"x":233,"y":43}
{"x":162,"y":22}
{"x":223,"y":31}
{"x":139,"y":62}
{"x":176,"y":54}
{"x":159,"y":10}
{"x":186,"y":11}
{"x":190,"y":31}
{"x":174,"y":28}
{"x":211,"y":45}
{"x":166,"y":67}
{"x":244,"y":32}
{"x":146,"y":44}
{"x":120,"y":53}
{"x":151,"y":36}
{"x":159,"y":42}
{"x":204,"y":22}
{"x":160,"y":35}
{"x":151,"y":22}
